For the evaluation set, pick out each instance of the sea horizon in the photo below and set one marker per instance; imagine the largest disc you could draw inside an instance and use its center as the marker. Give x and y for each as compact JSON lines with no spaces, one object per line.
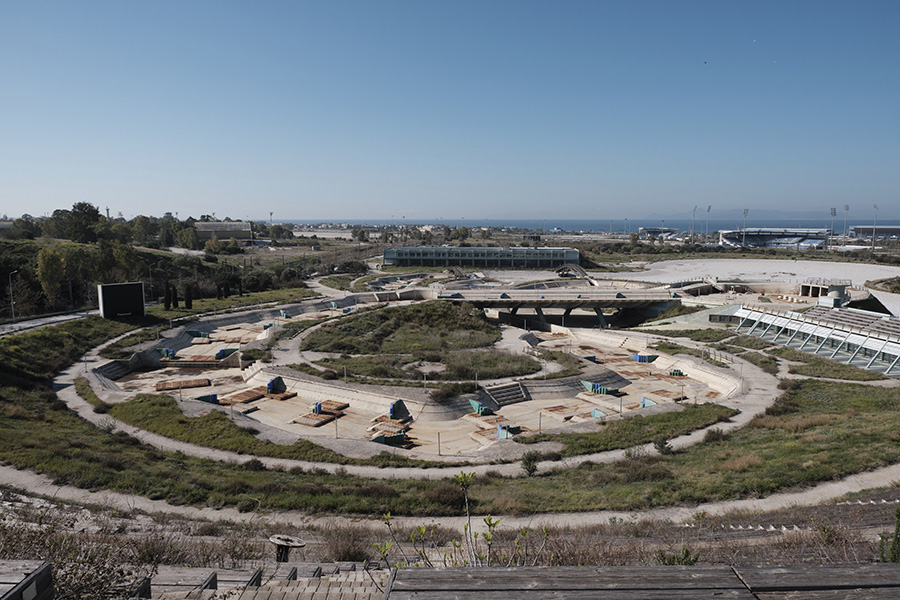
{"x":601,"y":225}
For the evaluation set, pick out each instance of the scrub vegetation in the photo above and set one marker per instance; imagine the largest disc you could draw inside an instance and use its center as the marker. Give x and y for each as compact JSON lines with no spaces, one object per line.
{"x":160,"y":414}
{"x":818,"y":431}
{"x":763,"y":361}
{"x":433,"y":340}
{"x":817,"y":366}
{"x":698,"y":335}
{"x":636,"y":430}
{"x":430,"y":326}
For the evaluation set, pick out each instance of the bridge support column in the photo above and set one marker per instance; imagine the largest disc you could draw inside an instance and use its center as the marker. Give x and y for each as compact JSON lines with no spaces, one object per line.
{"x":540,"y":314}
{"x":601,"y":317}
{"x":567,"y":312}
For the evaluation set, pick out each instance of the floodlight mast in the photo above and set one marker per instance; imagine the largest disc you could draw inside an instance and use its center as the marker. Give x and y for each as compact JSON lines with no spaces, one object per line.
{"x":846,"y":210}
{"x":693,"y":220}
{"x":874,"y":226}
{"x":833,"y":213}
{"x":744,"y":243}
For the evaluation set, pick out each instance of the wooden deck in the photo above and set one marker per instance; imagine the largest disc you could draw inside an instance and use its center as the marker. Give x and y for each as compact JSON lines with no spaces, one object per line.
{"x":799,"y":582}
{"x":183,"y":384}
{"x":25,"y":580}
{"x":344,"y":581}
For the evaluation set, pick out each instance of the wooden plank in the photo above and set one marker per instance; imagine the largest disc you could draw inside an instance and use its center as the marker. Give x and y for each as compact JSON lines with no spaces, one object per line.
{"x":890,"y":593}
{"x":183,"y":384}
{"x":625,"y":594}
{"x":245,"y":396}
{"x":523,"y":579}
{"x":14,"y":571}
{"x":334,"y":406}
{"x":820,"y":577}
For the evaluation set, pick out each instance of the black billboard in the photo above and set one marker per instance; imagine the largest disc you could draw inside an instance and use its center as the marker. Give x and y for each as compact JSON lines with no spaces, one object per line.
{"x":121,"y":300}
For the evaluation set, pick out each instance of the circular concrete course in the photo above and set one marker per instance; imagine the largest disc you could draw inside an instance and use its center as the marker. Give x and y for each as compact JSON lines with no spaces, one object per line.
{"x":760,"y":387}
{"x":455,"y":444}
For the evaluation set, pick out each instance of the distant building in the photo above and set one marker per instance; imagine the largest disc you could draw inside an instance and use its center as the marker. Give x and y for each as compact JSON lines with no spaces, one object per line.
{"x":223,"y":230}
{"x":645,"y":233}
{"x":774,"y":237}
{"x":486,"y":257}
{"x":881,"y":231}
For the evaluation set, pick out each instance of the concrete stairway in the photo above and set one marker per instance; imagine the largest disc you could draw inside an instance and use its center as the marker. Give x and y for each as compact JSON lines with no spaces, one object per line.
{"x":114,"y":369}
{"x":507,"y":393}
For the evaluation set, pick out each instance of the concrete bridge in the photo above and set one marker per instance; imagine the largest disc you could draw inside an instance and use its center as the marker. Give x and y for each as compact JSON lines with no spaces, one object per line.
{"x":567,"y":300}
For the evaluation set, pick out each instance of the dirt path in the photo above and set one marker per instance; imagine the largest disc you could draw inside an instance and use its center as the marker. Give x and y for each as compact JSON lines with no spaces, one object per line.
{"x":32,"y":483}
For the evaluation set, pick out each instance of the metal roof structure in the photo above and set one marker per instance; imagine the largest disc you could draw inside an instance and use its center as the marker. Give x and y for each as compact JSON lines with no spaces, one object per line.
{"x":860,"y":338}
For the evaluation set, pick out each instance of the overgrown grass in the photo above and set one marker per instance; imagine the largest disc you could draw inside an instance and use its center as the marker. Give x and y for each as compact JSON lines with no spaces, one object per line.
{"x":698,"y":335}
{"x":679,"y":310}
{"x":84,"y":390}
{"x":160,"y":414}
{"x":123,"y":348}
{"x":430,"y":326}
{"x":737,"y":350}
{"x":817,"y":366}
{"x":339,"y":282}
{"x":766,"y":363}
{"x":891,"y":284}
{"x":860,"y":430}
{"x":572,"y":365}
{"x":636,"y":430}
{"x":829,"y":430}
{"x":38,"y":432}
{"x":751,"y":342}
{"x":207,"y":305}
{"x":35,"y":356}
{"x":460,"y":365}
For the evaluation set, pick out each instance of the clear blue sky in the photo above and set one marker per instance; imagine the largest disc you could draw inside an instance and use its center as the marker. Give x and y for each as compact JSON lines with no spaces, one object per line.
{"x":426,"y":109}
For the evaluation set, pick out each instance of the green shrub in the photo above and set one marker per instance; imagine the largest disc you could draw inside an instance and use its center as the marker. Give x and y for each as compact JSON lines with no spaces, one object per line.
{"x":684,"y":557}
{"x":530,"y":462}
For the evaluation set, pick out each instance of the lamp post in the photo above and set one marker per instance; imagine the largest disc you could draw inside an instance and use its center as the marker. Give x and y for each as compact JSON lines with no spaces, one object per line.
{"x":833,"y":213}
{"x":708,"y":208}
{"x":693,"y":220}
{"x":846,"y":210}
{"x":744,"y":243}
{"x":874,"y":226}
{"x":12,"y":303}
